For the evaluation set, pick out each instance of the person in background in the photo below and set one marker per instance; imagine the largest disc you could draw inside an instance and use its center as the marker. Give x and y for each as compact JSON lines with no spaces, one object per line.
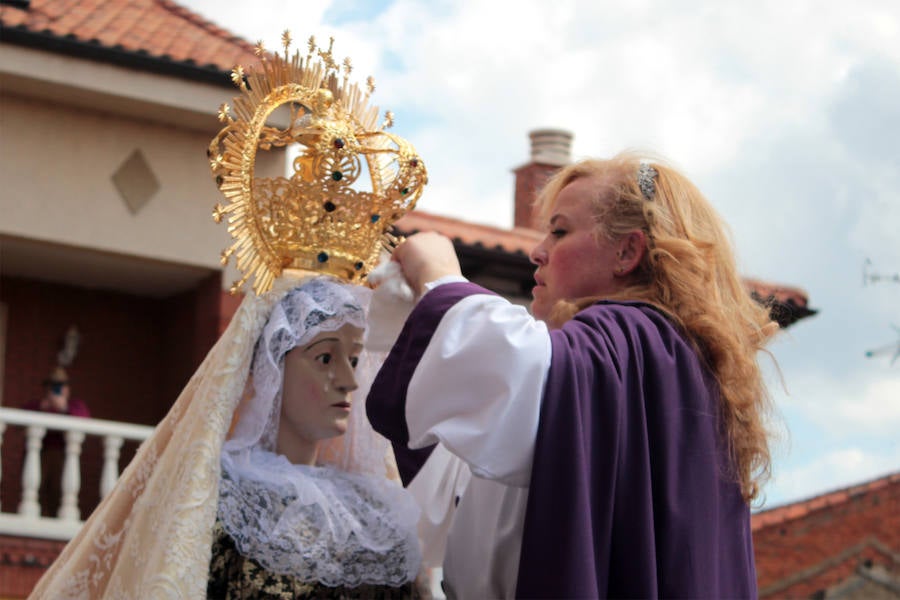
{"x":616,"y":437}
{"x":57,"y":399}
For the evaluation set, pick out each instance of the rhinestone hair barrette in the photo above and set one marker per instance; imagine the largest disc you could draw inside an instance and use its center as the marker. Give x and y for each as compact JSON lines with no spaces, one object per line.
{"x":646,"y":175}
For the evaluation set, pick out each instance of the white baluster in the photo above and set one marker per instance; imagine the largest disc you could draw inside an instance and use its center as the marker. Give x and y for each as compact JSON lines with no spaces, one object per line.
{"x":31,"y":472}
{"x":71,"y":477}
{"x":2,"y":429}
{"x":111,"y":444}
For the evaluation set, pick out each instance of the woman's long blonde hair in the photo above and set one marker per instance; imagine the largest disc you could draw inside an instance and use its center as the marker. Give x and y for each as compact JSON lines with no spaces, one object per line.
{"x":689,"y":272}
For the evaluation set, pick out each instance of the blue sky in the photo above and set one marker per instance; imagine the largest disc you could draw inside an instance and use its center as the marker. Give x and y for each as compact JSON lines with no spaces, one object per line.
{"x":785,"y":113}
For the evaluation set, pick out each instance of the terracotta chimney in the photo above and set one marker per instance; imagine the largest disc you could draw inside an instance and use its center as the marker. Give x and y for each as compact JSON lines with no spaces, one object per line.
{"x":550,"y":150}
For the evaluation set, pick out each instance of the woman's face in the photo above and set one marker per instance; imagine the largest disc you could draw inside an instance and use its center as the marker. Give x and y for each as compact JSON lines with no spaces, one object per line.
{"x":318,"y":380}
{"x":573,"y":261}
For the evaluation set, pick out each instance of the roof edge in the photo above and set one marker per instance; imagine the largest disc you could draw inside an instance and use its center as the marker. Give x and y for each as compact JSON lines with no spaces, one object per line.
{"x":116,"y":55}
{"x":801,"y":508}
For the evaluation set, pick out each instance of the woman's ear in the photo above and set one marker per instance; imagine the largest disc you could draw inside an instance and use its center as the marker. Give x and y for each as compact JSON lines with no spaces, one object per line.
{"x":630,"y":253}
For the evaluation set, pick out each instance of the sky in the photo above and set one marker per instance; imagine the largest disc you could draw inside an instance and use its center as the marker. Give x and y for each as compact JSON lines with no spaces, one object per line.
{"x":785,"y":113}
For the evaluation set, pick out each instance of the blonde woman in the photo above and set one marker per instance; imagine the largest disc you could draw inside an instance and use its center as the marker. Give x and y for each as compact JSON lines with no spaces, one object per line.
{"x":616,"y":436}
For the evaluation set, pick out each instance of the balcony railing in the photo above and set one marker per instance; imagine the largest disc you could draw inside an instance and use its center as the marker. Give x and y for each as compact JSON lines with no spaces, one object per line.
{"x":27,"y":521}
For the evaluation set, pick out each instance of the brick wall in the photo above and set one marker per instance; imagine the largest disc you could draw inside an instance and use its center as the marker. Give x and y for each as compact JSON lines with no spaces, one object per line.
{"x":814,"y":545}
{"x":190,"y":327}
{"x":529,"y":181}
{"x":22,"y":562}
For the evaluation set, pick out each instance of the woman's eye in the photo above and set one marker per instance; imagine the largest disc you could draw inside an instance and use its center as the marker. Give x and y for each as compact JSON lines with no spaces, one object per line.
{"x":558,"y":233}
{"x":354,"y":360}
{"x":324,"y":358}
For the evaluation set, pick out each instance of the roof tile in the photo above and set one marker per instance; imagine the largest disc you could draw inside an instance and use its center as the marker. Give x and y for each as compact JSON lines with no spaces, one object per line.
{"x":515,"y":241}
{"x":159,"y":28}
{"x":799,"y":509}
{"x":520,"y":240}
{"x":12,"y":18}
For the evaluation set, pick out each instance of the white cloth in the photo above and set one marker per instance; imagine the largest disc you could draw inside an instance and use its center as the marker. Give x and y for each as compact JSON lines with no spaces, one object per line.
{"x":486,"y":424}
{"x":470,"y":526}
{"x":391,"y":303}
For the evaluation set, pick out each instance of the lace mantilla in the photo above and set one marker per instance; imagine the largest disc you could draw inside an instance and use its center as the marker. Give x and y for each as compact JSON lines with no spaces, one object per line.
{"x":320,"y":524}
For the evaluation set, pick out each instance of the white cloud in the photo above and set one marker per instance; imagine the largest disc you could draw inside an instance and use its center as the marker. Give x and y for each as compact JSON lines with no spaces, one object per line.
{"x":830,"y":471}
{"x":843,"y":405}
{"x":265,"y":20}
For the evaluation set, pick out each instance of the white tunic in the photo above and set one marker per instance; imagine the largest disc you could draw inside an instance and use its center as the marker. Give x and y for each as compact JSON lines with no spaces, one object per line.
{"x":477,"y":391}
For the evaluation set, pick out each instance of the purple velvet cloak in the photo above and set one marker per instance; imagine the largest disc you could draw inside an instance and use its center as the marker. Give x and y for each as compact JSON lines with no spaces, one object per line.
{"x":630,"y":494}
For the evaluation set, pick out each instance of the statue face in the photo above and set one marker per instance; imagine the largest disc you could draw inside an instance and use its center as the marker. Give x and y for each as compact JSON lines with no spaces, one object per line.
{"x":318,"y":380}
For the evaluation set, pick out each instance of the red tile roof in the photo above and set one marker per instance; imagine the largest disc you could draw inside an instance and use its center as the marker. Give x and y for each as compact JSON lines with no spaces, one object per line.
{"x":514,"y":241}
{"x":820,"y":545}
{"x":158,"y":28}
{"x":797,"y":510}
{"x":520,"y":240}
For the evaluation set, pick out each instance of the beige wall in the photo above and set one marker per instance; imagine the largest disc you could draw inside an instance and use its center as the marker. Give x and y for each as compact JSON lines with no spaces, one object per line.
{"x":62,"y":140}
{"x":57,"y":164}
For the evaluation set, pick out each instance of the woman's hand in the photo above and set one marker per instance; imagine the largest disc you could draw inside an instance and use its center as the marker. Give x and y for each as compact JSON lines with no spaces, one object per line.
{"x":425,"y":257}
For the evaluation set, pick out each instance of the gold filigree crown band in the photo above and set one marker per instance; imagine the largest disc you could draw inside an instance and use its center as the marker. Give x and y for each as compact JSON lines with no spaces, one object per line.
{"x":349,"y":183}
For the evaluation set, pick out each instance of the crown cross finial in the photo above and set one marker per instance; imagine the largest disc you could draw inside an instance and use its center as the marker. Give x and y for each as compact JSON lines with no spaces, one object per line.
{"x":350,"y":180}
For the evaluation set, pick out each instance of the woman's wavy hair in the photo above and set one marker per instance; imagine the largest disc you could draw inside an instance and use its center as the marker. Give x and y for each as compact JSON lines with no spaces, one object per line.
{"x":688,"y":271}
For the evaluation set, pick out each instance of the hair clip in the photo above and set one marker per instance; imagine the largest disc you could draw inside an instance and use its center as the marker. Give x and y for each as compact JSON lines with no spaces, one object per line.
{"x":645,"y":177}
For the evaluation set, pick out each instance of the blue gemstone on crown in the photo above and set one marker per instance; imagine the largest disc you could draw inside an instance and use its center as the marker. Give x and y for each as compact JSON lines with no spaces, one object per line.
{"x":322,"y":257}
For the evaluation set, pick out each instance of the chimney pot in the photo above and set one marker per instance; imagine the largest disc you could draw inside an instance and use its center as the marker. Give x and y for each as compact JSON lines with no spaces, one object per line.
{"x":551,"y":147}
{"x":550,"y":150}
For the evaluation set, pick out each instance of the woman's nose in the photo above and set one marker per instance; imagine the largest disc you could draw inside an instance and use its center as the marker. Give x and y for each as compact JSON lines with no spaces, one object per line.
{"x":538,"y":255}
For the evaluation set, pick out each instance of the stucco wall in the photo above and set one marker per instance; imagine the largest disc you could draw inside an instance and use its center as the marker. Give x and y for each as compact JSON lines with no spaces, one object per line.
{"x":57,"y":163}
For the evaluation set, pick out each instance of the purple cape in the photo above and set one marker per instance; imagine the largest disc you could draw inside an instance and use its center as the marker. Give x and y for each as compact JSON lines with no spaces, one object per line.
{"x":630,"y":493}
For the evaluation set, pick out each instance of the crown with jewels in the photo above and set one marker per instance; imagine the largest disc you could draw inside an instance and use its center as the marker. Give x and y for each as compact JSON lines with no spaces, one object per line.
{"x":349,"y":183}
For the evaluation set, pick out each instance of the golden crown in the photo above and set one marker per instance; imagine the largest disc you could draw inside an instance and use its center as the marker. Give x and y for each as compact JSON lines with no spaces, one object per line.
{"x":323,"y":217}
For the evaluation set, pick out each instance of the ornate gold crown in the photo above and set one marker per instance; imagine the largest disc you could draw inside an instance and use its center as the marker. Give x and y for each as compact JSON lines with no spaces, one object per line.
{"x":323,"y":217}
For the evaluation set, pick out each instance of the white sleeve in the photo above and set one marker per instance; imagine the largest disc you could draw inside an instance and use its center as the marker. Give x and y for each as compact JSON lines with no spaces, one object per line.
{"x":477,"y":388}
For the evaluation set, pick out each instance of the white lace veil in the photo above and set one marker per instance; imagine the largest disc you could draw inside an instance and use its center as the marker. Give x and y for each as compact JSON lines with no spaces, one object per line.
{"x":317,"y":305}
{"x":151,"y":536}
{"x":342,"y":522}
